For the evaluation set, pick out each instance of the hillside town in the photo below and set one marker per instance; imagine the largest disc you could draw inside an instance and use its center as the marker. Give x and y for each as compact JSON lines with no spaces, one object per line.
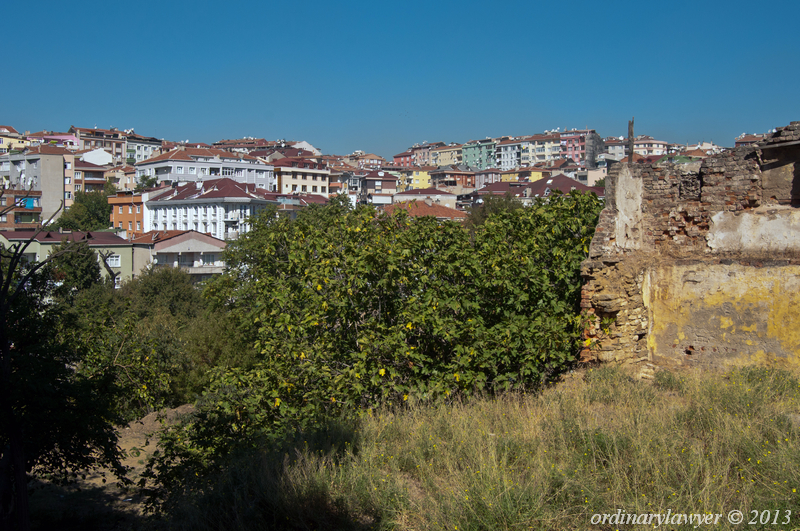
{"x":177,"y":203}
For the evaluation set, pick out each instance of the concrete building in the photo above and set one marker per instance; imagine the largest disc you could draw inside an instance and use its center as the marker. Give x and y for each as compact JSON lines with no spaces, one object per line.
{"x":111,"y":140}
{"x":431,"y":195}
{"x":219,"y":207}
{"x":647,"y":145}
{"x":183,"y":164}
{"x":479,"y":154}
{"x":139,"y":148}
{"x":46,"y":169}
{"x":20,"y":209}
{"x":118,"y":252}
{"x":199,"y":255}
{"x":446,"y":155}
{"x":582,"y":146}
{"x":301,"y":176}
{"x":542,"y":149}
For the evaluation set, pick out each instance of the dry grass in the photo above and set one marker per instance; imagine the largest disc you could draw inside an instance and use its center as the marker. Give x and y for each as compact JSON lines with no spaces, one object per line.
{"x":705,"y":443}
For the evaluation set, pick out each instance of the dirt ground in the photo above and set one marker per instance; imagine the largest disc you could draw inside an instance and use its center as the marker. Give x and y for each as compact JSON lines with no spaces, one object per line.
{"x":98,"y":501}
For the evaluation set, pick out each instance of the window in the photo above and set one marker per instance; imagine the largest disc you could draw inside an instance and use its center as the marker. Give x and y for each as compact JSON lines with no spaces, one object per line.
{"x":67,"y":195}
{"x":227,"y":171}
{"x":179,"y":169}
{"x":120,"y":209}
{"x":314,"y":189}
{"x":322,"y":190}
{"x":192,"y":170}
{"x":304,"y":188}
{"x":67,"y":180}
{"x":114,"y":260}
{"x":138,"y":225}
{"x":77,"y":175}
{"x":77,"y":188}
{"x":120,"y":225}
{"x":313,"y":177}
{"x":130,"y":209}
{"x":130,"y":225}
{"x":138,"y":209}
{"x":203,"y":171}
{"x":294,"y":188}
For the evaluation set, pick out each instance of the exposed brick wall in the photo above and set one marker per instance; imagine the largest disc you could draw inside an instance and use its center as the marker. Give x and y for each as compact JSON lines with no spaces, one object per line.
{"x":657,"y":215}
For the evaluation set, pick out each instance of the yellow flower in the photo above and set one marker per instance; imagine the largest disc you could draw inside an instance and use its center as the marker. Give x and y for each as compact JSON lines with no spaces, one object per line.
{"x":277,"y":402}
{"x":405,"y":397}
{"x":382,"y":372}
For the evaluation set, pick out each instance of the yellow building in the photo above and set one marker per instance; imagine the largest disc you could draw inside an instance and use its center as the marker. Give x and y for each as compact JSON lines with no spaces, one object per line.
{"x":509,"y":176}
{"x":420,"y":177}
{"x":12,"y":143}
{"x":524,"y":174}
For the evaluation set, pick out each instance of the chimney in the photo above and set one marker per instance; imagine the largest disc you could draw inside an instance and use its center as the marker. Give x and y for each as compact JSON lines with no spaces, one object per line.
{"x":428,"y":201}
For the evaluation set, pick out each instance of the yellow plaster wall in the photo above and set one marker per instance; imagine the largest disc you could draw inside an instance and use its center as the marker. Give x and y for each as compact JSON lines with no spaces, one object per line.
{"x":724,"y":314}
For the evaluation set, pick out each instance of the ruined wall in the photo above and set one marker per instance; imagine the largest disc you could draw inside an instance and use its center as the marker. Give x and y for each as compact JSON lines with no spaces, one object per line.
{"x":699,"y":263}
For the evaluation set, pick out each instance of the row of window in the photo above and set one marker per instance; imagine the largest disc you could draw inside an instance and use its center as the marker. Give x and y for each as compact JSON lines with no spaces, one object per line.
{"x":130,"y":209}
{"x":304,"y":188}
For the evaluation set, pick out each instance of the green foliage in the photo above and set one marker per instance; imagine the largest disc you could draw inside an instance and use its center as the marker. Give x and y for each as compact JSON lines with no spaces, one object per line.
{"x":163,"y":289}
{"x":54,"y":420}
{"x":73,"y":267}
{"x":491,"y":205}
{"x":146,"y":182}
{"x":89,"y":211}
{"x":549,"y":460}
{"x":349,"y":311}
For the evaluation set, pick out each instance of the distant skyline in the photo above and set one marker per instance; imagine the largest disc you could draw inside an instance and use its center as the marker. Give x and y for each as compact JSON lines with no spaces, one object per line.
{"x":379,"y":77}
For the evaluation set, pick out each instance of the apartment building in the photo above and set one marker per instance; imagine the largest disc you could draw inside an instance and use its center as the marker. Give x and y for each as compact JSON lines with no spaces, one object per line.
{"x":446,"y":155}
{"x":647,"y":145}
{"x":111,"y":140}
{"x":582,"y":146}
{"x":480,"y":154}
{"x":301,"y":176}
{"x":219,"y":207}
{"x":45,"y":169}
{"x":185,"y":164}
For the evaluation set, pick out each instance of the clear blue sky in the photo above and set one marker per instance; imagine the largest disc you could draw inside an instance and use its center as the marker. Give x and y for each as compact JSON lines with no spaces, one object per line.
{"x":380,"y":76}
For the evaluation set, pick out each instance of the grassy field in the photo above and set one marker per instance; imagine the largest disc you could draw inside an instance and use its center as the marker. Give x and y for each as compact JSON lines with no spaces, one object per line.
{"x":597,"y":443}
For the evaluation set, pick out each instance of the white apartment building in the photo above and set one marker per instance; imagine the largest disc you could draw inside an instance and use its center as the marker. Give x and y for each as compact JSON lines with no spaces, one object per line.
{"x":647,"y":145}
{"x":184,"y":164}
{"x":219,"y":207}
{"x":296,"y":175}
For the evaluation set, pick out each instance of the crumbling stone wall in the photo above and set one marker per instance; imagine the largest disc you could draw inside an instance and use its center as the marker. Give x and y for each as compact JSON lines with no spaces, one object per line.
{"x":699,"y":263}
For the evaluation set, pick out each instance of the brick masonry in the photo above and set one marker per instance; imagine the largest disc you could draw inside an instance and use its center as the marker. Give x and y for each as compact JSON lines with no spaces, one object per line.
{"x":670,"y":231}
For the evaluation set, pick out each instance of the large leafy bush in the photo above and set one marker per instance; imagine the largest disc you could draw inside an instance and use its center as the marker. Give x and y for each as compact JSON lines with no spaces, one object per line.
{"x":350,"y":309}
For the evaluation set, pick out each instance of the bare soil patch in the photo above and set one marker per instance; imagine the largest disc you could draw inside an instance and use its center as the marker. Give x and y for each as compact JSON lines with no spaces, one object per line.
{"x":96,"y":500}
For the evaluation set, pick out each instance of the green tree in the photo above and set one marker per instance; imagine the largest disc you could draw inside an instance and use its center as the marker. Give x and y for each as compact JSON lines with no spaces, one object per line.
{"x":146,"y":182}
{"x":54,"y":420}
{"x":490,"y":205}
{"x":73,"y":267}
{"x":90,"y":211}
{"x":351,"y":311}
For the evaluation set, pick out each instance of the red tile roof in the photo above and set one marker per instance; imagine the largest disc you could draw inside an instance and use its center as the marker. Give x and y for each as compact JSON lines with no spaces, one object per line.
{"x":48,"y":150}
{"x":421,"y":208}
{"x":93,"y":238}
{"x":8,"y":129}
{"x":425,"y":192}
{"x":189,"y":154}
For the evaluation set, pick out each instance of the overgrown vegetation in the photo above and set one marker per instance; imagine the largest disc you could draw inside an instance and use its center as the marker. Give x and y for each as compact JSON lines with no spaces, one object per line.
{"x":90,"y":211}
{"x":693,"y":443}
{"x":349,"y":311}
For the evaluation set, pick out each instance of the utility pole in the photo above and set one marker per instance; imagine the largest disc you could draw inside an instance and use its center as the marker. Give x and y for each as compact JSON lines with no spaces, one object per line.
{"x":630,"y":140}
